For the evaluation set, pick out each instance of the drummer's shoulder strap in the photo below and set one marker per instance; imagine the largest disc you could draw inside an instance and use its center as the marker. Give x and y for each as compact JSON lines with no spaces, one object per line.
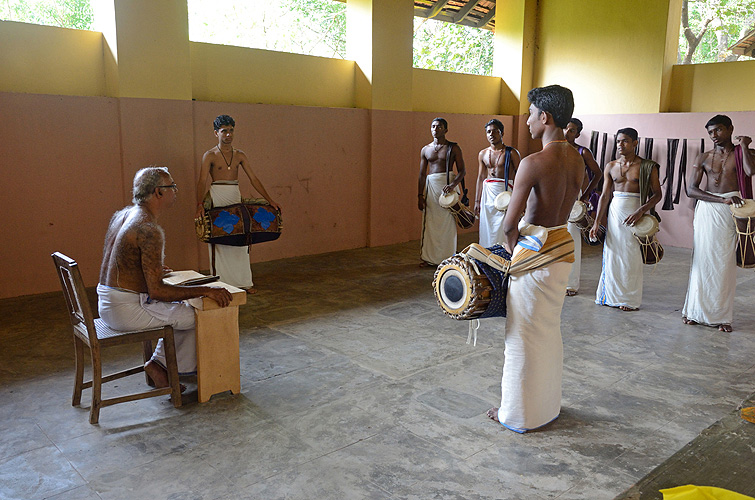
{"x":744,"y":183}
{"x":506,"y":163}
{"x":646,"y":170}
{"x":449,"y":159}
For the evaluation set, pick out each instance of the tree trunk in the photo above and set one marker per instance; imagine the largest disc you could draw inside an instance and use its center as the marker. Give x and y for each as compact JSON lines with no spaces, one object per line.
{"x":692,"y":40}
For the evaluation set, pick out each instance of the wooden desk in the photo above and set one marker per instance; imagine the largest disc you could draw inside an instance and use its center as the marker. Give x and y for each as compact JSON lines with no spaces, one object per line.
{"x":217,"y":334}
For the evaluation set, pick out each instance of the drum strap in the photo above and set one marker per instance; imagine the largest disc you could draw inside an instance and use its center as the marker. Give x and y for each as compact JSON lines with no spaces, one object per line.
{"x":212,"y":259}
{"x":464,"y":191}
{"x":646,"y":170}
{"x":506,"y":162}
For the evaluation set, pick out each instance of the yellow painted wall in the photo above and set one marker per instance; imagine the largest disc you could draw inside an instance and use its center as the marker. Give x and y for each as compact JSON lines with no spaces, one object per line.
{"x":238,"y":74}
{"x":609,"y":54}
{"x":455,"y":93}
{"x":715,"y":87}
{"x":49,"y":60}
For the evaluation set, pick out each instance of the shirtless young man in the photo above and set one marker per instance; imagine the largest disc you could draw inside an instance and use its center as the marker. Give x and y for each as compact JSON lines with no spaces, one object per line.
{"x":221,"y":164}
{"x":713,"y":275}
{"x":131,"y":292}
{"x":571,"y":133}
{"x":548,"y":184}
{"x":438,"y":225}
{"x":620,"y":282}
{"x":493,"y":162}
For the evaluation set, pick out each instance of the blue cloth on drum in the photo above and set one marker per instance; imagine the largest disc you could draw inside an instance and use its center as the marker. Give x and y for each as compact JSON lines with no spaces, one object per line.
{"x":499,"y":281}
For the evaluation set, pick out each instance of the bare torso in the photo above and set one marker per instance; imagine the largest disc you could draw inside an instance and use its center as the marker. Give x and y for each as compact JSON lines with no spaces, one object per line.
{"x":224,"y":166}
{"x":494,"y":161}
{"x":625,"y":175}
{"x":436,"y":156}
{"x":558,"y":172}
{"x":122,"y":264}
{"x":720,"y":169}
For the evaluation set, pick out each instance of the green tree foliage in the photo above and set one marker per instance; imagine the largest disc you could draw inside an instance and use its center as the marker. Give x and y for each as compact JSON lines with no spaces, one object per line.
{"x":314,"y":27}
{"x":62,"y":13}
{"x":452,"y":47}
{"x":711,"y":27}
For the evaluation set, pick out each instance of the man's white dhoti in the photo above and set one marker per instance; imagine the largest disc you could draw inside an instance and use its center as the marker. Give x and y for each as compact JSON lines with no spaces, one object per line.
{"x":127,"y":310}
{"x":533,"y":355}
{"x":229,"y":262}
{"x":713,"y":275}
{"x":573,"y":282}
{"x":621,"y":279}
{"x":491,"y":219}
{"x":438,"y":225}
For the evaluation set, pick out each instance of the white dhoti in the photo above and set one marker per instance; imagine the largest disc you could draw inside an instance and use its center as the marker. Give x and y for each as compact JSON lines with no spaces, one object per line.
{"x":573,"y":282}
{"x":491,"y":219}
{"x":438,"y":225}
{"x":126,"y":310}
{"x":621,"y":279}
{"x":713,"y":275}
{"x":533,"y":355}
{"x":229,"y":262}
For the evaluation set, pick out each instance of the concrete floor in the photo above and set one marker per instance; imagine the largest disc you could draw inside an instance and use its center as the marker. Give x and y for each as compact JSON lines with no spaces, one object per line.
{"x":354,"y":385}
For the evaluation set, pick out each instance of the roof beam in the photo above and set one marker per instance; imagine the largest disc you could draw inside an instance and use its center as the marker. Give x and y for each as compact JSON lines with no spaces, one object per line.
{"x":464,"y":11}
{"x":487,"y":17}
{"x":436,"y":8}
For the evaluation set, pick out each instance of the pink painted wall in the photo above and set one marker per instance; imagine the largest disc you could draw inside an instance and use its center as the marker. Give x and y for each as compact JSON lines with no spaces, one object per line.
{"x":676,"y":225}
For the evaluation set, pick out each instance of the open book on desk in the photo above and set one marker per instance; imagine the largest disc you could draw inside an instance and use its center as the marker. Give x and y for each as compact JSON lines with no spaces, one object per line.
{"x":188,"y":278}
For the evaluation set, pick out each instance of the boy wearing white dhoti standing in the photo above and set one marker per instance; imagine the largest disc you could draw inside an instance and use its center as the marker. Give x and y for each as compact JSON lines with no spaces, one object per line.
{"x":495,"y":174}
{"x":222,"y":164}
{"x":713,"y":275}
{"x":571,"y":133}
{"x":547,"y":185}
{"x":436,"y":177}
{"x":628,"y":183}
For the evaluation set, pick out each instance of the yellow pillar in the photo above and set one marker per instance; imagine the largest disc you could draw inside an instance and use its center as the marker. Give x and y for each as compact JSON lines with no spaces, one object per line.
{"x":514,"y":52}
{"x":148,"y":46}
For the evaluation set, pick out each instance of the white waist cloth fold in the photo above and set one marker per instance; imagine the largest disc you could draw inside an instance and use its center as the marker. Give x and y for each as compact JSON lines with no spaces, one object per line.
{"x":620,"y":281}
{"x":491,"y":219}
{"x":713,"y":274}
{"x":229,"y":262}
{"x":533,"y":355}
{"x":126,"y":310}
{"x":438,"y":225}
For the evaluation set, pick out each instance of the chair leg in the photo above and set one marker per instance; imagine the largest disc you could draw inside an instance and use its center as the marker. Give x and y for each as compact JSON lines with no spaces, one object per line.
{"x":78,"y":378}
{"x":147,"y":349}
{"x":94,"y":411}
{"x":170,"y":360}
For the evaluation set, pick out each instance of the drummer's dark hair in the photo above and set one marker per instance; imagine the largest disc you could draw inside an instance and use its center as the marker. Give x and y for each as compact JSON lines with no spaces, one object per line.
{"x":719,"y":120}
{"x":556,"y":100}
{"x":146,"y":181}
{"x":222,"y":121}
{"x":441,"y":120}
{"x":578,"y":123}
{"x":628,"y":131}
{"x":496,"y":123}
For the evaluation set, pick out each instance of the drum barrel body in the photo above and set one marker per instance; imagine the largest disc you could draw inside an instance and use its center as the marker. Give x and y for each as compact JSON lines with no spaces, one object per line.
{"x":745,"y":241}
{"x":461,"y":291}
{"x":241,"y":224}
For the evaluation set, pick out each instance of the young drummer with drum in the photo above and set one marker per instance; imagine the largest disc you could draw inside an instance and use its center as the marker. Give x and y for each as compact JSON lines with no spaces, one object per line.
{"x":713,"y":278}
{"x":631,"y":185}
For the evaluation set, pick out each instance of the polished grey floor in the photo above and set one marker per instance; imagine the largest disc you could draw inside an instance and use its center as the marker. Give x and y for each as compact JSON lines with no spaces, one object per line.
{"x":354,"y":385}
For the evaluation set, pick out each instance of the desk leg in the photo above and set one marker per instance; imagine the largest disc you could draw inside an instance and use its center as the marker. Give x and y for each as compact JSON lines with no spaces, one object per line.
{"x":218,"y":366}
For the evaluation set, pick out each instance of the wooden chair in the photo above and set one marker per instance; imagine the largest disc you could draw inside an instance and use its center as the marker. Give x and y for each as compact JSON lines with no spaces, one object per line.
{"x":94,"y":333}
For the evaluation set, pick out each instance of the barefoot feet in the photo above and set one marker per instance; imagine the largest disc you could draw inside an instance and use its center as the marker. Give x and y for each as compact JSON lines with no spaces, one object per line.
{"x":493,"y":414}
{"x":570,"y":292}
{"x":426,"y":264}
{"x":629,"y":309}
{"x":724,"y":328}
{"x":159,"y":375}
{"x":251,"y":290}
{"x":688,"y":321}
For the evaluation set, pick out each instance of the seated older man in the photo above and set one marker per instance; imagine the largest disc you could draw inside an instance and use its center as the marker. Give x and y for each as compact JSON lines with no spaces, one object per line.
{"x":131,"y":293}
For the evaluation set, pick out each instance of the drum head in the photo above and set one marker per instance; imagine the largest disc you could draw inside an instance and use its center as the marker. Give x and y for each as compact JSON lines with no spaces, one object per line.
{"x":453,"y":288}
{"x":646,"y":226}
{"x":578,"y":211}
{"x":745,"y":211}
{"x":501,"y":201}
{"x":447,"y":200}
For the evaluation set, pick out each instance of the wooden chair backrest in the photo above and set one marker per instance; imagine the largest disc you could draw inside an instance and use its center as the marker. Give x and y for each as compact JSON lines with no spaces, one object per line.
{"x":79,"y":310}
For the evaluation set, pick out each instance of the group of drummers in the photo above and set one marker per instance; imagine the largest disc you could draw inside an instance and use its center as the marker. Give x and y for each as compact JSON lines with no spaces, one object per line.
{"x":622,"y":217}
{"x":535,"y":213}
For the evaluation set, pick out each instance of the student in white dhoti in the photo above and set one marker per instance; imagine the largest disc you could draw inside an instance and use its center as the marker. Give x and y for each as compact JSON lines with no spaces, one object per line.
{"x":713,"y":275}
{"x":547,"y":184}
{"x":632,"y":187}
{"x":221,"y":164}
{"x":495,"y":174}
{"x":438,"y":241}
{"x":592,"y":178}
{"x":131,"y":292}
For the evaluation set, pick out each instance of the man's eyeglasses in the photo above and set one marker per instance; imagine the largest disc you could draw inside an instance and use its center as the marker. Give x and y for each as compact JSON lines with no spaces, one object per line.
{"x":171,"y":186}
